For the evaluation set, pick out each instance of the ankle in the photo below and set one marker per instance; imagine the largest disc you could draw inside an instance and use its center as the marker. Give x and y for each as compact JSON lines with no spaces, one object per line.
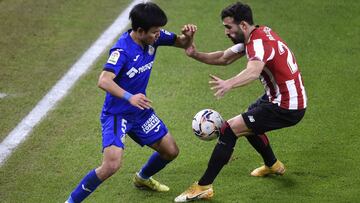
{"x":142,"y":176}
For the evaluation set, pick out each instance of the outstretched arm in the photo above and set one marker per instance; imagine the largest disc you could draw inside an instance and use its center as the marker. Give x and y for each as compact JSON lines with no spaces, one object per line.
{"x":249,"y":74}
{"x":218,"y":57}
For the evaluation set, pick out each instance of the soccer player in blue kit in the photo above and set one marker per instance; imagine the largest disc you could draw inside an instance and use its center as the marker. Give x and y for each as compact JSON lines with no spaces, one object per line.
{"x":126,"y":109}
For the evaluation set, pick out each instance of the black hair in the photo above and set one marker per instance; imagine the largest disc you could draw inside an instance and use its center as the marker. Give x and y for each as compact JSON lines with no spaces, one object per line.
{"x":147,"y":15}
{"x":238,"y":11}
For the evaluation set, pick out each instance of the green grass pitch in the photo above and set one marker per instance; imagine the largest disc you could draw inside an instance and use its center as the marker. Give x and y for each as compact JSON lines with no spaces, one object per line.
{"x":40,"y":40}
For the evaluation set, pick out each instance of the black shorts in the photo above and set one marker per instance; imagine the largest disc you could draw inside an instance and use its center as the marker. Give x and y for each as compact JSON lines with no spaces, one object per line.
{"x":263,"y":116}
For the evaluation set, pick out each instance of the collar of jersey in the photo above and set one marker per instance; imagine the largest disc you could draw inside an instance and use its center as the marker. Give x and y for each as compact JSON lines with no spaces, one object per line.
{"x":130,"y":39}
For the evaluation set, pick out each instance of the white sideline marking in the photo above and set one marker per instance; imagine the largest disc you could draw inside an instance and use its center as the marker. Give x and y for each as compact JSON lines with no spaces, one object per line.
{"x":59,"y":90}
{"x":2,"y":95}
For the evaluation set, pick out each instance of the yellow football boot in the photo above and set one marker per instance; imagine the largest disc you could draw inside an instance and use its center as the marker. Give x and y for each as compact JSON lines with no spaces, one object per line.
{"x":149,"y":184}
{"x":196,"y":192}
{"x":278,"y":168}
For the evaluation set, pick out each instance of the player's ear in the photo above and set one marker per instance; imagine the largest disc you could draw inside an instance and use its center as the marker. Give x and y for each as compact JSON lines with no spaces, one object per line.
{"x":140,"y":30}
{"x":243,"y":25}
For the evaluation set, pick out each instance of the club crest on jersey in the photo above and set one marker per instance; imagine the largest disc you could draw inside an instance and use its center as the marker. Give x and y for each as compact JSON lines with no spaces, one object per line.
{"x":151,"y":50}
{"x":114,"y":57}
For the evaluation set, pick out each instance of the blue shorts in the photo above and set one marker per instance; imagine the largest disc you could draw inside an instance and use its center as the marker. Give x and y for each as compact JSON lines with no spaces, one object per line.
{"x":145,"y":128}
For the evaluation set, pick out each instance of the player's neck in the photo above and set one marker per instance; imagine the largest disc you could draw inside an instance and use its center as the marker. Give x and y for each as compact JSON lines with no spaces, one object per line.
{"x":250,"y":30}
{"x":134,"y":36}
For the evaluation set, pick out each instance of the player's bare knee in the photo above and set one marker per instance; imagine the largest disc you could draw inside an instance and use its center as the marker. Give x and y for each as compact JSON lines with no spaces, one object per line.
{"x":245,"y":134}
{"x":171,"y":154}
{"x":174,"y":153}
{"x":107,"y":169}
{"x":237,"y":124}
{"x":112,"y":167}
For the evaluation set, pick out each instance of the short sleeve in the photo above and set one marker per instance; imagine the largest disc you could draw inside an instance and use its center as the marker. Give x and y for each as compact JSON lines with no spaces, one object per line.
{"x":238,"y":48}
{"x":117,"y":60}
{"x":166,"y":38}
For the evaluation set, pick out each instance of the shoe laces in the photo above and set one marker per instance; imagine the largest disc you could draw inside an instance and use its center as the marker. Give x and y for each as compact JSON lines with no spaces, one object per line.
{"x":154,"y":183}
{"x":192,"y":188}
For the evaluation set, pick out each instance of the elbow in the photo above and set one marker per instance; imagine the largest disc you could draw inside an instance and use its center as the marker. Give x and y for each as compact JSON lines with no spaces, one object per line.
{"x":101,"y":83}
{"x":227,"y":62}
{"x":223,"y":62}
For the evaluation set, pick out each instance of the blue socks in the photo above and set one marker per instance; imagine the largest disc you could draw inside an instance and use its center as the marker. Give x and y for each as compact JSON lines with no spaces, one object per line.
{"x":87,"y":185}
{"x":90,"y":182}
{"x":154,"y":165}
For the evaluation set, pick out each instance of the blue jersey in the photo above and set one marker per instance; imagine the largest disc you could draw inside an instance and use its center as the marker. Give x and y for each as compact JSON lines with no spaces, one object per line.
{"x":132,"y":66}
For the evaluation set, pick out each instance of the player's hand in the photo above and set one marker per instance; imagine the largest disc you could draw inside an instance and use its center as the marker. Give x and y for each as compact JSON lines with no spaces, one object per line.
{"x":191,"y":50}
{"x":189,"y":30}
{"x":219,"y":86}
{"x":140,"y":101}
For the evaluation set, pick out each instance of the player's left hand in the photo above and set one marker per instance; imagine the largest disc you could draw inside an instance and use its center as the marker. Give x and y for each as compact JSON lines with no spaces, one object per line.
{"x":220,"y":86}
{"x":189,"y":30}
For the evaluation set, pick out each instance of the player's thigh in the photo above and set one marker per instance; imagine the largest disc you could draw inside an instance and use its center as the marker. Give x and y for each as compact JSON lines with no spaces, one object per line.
{"x":166,"y":146}
{"x":238,"y":126}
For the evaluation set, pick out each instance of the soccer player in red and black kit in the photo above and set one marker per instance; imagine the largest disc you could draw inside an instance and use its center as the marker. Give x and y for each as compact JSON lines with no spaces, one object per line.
{"x":282,"y":105}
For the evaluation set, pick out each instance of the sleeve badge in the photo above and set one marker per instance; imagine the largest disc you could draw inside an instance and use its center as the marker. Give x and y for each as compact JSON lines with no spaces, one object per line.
{"x":114,"y":57}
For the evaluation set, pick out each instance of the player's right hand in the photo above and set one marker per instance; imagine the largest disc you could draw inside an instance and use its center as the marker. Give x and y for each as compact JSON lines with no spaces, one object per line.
{"x":189,"y":30}
{"x":220,"y":86}
{"x":140,"y":101}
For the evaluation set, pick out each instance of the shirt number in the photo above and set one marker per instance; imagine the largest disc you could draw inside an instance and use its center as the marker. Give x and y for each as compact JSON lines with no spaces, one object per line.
{"x":290,"y":59}
{"x":123,"y":125}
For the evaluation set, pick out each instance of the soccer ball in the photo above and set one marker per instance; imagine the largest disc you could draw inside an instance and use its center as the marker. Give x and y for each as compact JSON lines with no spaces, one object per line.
{"x":206,"y":124}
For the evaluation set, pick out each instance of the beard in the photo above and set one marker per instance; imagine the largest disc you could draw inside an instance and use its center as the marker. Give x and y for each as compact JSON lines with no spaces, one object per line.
{"x":239,"y":38}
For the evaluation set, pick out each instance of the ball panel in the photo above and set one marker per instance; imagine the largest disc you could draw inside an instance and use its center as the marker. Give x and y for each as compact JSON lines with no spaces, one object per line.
{"x":206,"y":124}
